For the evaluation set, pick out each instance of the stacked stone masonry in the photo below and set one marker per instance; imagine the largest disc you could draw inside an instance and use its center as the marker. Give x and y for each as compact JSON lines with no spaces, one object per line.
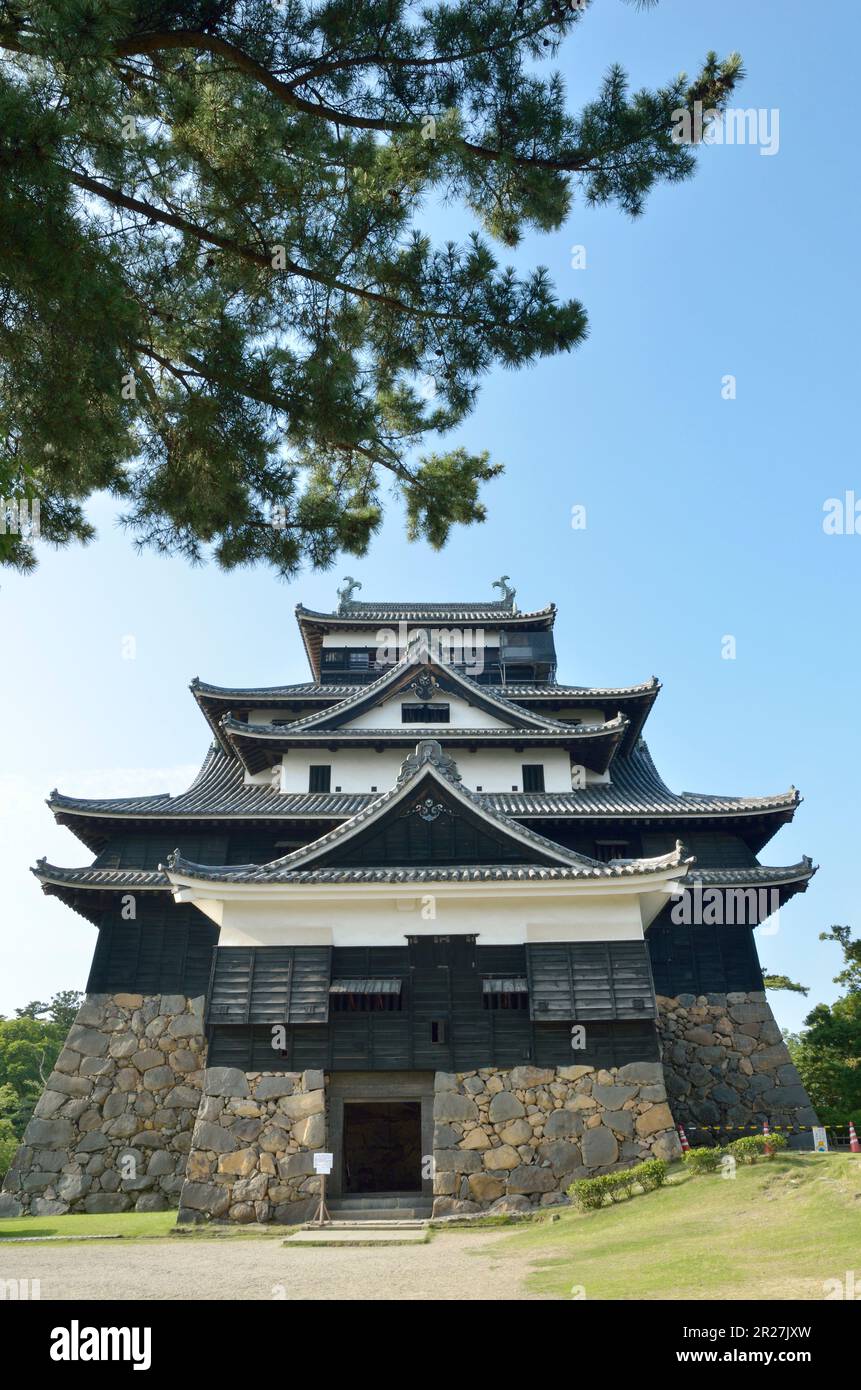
{"x":252,"y":1149}
{"x":509,"y":1140}
{"x":726,"y":1066}
{"x":130,"y":1118}
{"x":112,"y":1129}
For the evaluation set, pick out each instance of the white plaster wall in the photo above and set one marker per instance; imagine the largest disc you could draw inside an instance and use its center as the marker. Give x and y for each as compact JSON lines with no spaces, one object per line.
{"x":462,"y":715}
{"x":492,"y":916}
{"x":360,"y":769}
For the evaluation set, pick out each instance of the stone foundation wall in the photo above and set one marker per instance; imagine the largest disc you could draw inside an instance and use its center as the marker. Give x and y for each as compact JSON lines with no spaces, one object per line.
{"x":508,"y":1140}
{"x":252,"y":1148}
{"x":726,"y":1065}
{"x":112,"y":1129}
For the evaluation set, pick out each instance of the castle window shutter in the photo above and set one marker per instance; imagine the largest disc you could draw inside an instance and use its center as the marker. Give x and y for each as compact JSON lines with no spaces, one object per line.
{"x":270,"y":985}
{"x":583,"y":981}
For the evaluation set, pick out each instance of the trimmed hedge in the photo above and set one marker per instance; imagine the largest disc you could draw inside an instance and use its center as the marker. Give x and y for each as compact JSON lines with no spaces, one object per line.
{"x":591,"y":1193}
{"x":753,"y":1146}
{"x":702,"y":1160}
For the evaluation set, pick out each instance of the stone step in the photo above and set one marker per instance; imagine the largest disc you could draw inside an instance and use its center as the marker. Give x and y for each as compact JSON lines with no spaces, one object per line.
{"x":378,"y":1199}
{"x":391,"y":1233}
{"x":361,"y":1214}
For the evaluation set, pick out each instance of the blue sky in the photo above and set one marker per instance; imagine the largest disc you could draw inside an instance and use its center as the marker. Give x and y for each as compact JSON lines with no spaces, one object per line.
{"x":704,"y":515}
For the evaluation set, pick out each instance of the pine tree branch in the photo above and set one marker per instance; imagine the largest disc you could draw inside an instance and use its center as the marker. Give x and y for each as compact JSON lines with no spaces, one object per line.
{"x":259,"y":258}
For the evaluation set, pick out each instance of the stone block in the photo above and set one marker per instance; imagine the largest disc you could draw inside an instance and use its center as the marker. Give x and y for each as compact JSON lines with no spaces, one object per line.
{"x":484,"y":1188}
{"x":450,"y":1105}
{"x":529,"y":1178}
{"x":598,"y":1147}
{"x":304,"y":1103}
{"x":445,"y":1081}
{"x":48,"y":1206}
{"x":561,"y":1156}
{"x":750,"y":1013}
{"x":158,"y":1078}
{"x":88,"y":1041}
{"x":518,"y":1132}
{"x":444,"y":1137}
{"x":48,"y":1134}
{"x":241,"y":1163}
{"x":152,"y":1201}
{"x":563,"y":1124}
{"x":226,"y":1081}
{"x":99,"y":1203}
{"x":503,"y":1156}
{"x":524,"y":1078}
{"x":613,"y":1097}
{"x":505,"y":1106}
{"x":311,"y":1131}
{"x":274,"y":1087}
{"x":460,"y":1161}
{"x":214,"y":1138}
{"x":573,"y":1073}
{"x":205,"y":1197}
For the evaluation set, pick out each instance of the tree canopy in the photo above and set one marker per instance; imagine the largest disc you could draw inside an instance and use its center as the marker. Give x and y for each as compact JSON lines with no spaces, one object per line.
{"x":216,"y":298}
{"x":30,"y":1044}
{"x":827,"y":1052}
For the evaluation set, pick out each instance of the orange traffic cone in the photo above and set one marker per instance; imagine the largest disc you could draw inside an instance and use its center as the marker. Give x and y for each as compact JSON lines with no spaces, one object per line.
{"x":854,"y":1146}
{"x":683,"y":1140}
{"x":768,"y":1150}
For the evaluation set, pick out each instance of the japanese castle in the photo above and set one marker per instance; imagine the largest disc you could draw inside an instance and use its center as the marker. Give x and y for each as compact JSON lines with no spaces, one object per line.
{"x":431,"y":911}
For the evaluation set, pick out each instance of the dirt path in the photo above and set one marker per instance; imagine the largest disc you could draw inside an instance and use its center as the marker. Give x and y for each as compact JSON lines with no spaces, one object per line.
{"x":449,"y":1267}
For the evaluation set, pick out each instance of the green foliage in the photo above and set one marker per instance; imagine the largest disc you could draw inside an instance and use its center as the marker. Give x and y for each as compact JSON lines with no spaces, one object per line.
{"x":9,"y":1142}
{"x":753,"y":1146}
{"x":827,"y":1052}
{"x":702,"y":1160}
{"x":783,"y":982}
{"x":215,"y":301}
{"x":29,"y":1047}
{"x":591,"y":1193}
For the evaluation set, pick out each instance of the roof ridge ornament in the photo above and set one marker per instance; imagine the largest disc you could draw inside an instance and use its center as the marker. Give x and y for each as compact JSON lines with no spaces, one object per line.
{"x":345,"y":594}
{"x":425,"y":685}
{"x":428,"y":751}
{"x":508,"y":594}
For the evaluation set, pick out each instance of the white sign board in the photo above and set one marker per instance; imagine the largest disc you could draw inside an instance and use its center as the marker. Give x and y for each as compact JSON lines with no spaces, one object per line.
{"x":323,"y":1163}
{"x":820,"y":1140}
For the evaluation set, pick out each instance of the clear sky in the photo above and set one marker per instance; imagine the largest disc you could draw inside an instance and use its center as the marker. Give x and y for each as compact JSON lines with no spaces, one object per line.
{"x":704,"y":515}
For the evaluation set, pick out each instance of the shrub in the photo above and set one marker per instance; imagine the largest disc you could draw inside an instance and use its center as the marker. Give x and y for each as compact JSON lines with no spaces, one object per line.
{"x":753,"y":1146}
{"x":591,"y":1193}
{"x":8,"y":1147}
{"x":702,"y":1160}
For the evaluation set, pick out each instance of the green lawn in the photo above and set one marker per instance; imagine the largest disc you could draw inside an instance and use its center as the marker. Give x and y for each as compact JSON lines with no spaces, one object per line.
{"x":778,"y":1230}
{"x":150,"y":1225}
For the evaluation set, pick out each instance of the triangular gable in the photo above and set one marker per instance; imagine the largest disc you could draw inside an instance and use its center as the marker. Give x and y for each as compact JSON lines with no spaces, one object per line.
{"x":429,"y":780}
{"x":426,"y":677}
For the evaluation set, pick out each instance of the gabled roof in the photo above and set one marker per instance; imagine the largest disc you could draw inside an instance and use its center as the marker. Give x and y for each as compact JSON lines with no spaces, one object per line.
{"x":258,"y":745}
{"x":635,"y":701}
{"x":413,"y":669}
{"x":219,"y":793}
{"x":429,"y":770}
{"x":793,"y":876}
{"x":753,"y":876}
{"x":368,"y":617}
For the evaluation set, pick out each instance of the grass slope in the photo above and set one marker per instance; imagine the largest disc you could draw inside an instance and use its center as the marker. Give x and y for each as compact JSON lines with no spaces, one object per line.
{"x":777,"y":1230}
{"x":131,"y":1225}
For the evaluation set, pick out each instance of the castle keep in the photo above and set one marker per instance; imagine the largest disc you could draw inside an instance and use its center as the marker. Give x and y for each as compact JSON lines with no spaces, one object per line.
{"x":431,"y":910}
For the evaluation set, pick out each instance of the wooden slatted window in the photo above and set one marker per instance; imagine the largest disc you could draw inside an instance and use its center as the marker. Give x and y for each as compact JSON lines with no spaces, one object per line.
{"x":581,"y":981}
{"x":270,"y":984}
{"x":425,"y":714}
